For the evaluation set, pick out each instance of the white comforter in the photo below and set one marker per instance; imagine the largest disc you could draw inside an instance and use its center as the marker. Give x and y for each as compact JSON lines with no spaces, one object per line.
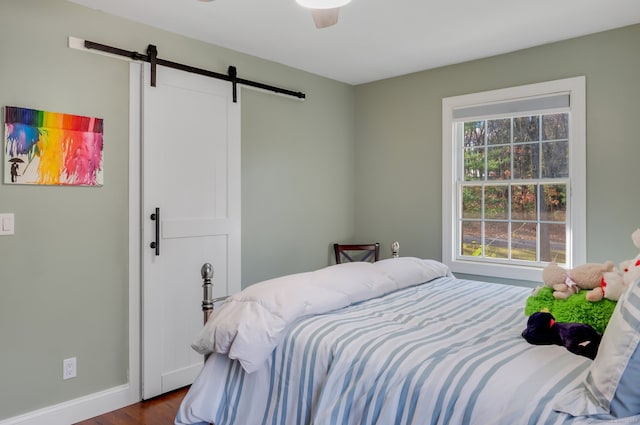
{"x":447,"y":352}
{"x":251,"y":323}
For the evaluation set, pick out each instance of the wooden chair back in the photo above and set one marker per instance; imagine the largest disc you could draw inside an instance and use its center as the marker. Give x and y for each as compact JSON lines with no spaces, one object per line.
{"x":356,"y":252}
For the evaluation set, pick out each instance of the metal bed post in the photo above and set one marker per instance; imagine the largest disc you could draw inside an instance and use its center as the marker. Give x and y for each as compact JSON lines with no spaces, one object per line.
{"x":207,"y":290}
{"x":208,"y":302}
{"x":206,"y":271}
{"x":395,"y":249}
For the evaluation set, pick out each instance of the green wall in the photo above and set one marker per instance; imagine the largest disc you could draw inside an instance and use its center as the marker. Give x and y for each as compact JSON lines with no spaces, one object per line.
{"x":399,"y":140}
{"x":64,"y":274}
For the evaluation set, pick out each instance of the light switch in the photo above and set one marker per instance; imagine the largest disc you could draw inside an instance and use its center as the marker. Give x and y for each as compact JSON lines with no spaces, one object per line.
{"x":7,"y":224}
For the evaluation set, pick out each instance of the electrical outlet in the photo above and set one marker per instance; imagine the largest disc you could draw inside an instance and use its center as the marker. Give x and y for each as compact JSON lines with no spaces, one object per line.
{"x":69,"y":368}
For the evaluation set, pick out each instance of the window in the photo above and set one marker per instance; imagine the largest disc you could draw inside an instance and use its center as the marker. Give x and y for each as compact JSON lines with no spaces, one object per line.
{"x":514,"y":179}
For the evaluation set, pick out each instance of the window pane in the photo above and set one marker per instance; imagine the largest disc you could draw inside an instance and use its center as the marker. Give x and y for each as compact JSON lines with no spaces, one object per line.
{"x":496,"y":202}
{"x":474,"y":164}
{"x":553,"y":243}
{"x":555,"y":159}
{"x":496,"y":240}
{"x":525,"y":161}
{"x":523,"y":202}
{"x":499,"y":163}
{"x":471,"y":238}
{"x":474,"y":133}
{"x":553,"y":204}
{"x":555,"y":126}
{"x":472,"y":202}
{"x":499,"y":131}
{"x":526,"y":129}
{"x":523,"y":241}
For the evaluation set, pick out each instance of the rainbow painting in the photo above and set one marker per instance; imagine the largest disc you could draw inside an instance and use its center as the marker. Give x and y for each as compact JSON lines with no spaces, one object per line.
{"x":52,"y":148}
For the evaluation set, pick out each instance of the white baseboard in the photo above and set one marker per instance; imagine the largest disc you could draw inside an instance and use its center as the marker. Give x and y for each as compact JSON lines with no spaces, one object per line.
{"x":77,"y":410}
{"x":177,"y":378}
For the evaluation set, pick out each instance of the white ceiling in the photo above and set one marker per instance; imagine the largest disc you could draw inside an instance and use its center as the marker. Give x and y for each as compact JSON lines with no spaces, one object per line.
{"x":377,"y":39}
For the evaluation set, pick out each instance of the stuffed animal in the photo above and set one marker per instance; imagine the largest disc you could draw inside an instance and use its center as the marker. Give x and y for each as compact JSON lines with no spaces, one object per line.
{"x":568,"y":282}
{"x":630,"y":269}
{"x":614,"y":283}
{"x":555,"y":277}
{"x":578,"y":338}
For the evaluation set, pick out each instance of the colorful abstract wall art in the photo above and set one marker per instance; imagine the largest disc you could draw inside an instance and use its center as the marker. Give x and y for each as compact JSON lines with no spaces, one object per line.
{"x":51,"y":148}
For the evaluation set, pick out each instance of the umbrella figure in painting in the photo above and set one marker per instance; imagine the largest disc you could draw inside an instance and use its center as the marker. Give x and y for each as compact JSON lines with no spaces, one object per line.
{"x":14,"y":168}
{"x":14,"y":172}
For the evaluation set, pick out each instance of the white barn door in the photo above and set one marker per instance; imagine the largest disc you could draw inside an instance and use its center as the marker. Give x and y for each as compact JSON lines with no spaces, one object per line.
{"x":191,"y":185}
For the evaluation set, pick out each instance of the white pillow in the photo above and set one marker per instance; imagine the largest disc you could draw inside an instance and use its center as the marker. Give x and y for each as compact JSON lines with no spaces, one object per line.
{"x":612,"y":384}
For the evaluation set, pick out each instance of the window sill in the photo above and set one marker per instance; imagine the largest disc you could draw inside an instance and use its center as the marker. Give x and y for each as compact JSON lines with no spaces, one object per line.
{"x":515,"y":272}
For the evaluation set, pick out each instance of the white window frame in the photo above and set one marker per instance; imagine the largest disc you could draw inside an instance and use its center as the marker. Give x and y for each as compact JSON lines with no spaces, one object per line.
{"x":452,"y":160}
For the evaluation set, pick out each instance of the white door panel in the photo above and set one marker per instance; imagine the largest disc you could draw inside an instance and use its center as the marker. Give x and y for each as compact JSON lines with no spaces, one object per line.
{"x":191,"y":172}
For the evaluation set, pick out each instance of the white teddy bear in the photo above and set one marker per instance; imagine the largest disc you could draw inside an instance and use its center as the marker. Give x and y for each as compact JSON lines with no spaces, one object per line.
{"x":615,"y":282}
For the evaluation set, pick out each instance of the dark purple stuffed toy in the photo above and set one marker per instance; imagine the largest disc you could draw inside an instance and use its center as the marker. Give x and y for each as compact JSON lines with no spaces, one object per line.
{"x":579,"y":338}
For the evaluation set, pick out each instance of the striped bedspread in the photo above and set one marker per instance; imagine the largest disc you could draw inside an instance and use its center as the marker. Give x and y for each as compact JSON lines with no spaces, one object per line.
{"x":445,"y":352}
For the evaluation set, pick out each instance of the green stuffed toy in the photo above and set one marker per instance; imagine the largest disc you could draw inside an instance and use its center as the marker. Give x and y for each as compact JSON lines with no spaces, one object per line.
{"x":576,"y":308}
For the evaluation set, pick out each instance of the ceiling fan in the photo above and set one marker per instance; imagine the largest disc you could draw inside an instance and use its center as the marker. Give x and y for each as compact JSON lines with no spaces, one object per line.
{"x":324,"y":12}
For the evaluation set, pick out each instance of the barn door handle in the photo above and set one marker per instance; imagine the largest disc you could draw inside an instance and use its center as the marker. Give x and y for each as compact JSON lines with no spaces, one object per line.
{"x":156,"y":244}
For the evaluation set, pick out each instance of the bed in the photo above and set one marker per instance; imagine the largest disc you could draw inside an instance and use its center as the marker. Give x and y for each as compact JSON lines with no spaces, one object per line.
{"x":402,"y":341}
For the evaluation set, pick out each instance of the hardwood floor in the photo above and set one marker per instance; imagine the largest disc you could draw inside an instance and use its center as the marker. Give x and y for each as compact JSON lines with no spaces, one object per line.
{"x":157,"y":411}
